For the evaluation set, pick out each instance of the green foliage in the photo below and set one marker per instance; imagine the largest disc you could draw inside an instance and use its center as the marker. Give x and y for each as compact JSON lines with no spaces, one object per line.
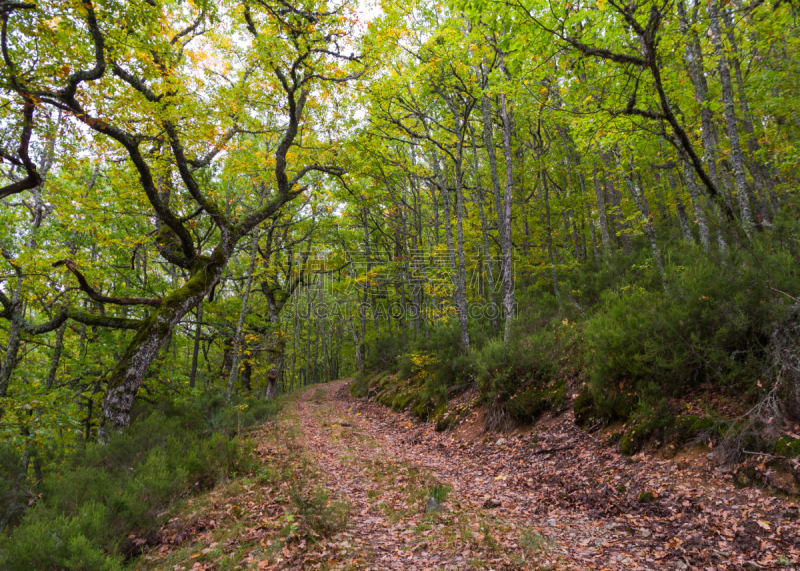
{"x":105,"y":493}
{"x":529,"y":404}
{"x":384,"y":352}
{"x":439,"y":492}
{"x":532,"y":360}
{"x":13,"y":499}
{"x":322,"y":516}
{"x":585,"y":409}
{"x":788,"y":446}
{"x":714,"y":328}
{"x":646,"y":497}
{"x":49,"y":540}
{"x":533,"y":543}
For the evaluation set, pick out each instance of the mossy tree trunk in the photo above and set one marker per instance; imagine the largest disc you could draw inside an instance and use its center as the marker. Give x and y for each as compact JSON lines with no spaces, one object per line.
{"x":126,"y":378}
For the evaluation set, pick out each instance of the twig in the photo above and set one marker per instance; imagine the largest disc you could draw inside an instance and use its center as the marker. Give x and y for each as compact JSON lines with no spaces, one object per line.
{"x":559,"y":449}
{"x":595,"y":427}
{"x":767,"y":455}
{"x":784,"y":293}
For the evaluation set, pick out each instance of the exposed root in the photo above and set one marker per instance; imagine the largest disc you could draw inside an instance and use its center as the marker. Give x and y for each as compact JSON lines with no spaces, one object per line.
{"x":497,"y":418}
{"x":763,"y":423}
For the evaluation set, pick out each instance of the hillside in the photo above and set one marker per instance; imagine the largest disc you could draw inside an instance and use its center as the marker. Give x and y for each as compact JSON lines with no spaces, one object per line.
{"x":549,"y":497}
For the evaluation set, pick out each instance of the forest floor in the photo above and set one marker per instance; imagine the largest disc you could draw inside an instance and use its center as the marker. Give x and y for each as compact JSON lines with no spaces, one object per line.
{"x":344,"y":484}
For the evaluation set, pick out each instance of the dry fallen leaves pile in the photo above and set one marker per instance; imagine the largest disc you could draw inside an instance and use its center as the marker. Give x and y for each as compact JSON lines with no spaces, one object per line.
{"x":553,"y":498}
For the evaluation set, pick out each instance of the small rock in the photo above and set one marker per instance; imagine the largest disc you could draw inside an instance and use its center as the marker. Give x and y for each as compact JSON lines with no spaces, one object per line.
{"x":752,"y":566}
{"x":433,"y":506}
{"x":501,"y":441}
{"x":722,"y":554}
{"x":680,"y":565}
{"x":491,"y":503}
{"x":647,"y":533}
{"x":552,"y":522}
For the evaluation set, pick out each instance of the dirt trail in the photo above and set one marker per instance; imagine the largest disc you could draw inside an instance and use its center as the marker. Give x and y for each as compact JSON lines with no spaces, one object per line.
{"x":566,"y":500}
{"x":389,"y":527}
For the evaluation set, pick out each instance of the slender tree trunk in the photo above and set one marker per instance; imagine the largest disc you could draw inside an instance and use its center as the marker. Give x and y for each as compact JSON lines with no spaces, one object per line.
{"x":508,"y":277}
{"x":699,"y":211}
{"x":57,"y":350}
{"x":694,"y":62}
{"x":237,"y":339}
{"x":488,"y":139}
{"x":647,"y":224}
{"x":737,"y":159}
{"x":549,"y":234}
{"x":196,"y":350}
{"x":683,"y":220}
{"x":601,"y":208}
{"x":461,"y":289}
{"x":761,"y":175}
{"x":484,"y":233}
{"x":619,"y":218}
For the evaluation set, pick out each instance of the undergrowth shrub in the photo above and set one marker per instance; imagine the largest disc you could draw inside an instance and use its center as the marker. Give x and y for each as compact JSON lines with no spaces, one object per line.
{"x":321,"y":515}
{"x":384,"y":352}
{"x":104,"y":497}
{"x":712,"y":328}
{"x":722,"y":322}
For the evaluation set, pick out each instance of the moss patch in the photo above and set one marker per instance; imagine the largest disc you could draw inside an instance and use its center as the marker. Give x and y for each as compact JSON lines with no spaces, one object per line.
{"x":587,"y":413}
{"x":529,"y":404}
{"x":788,"y":446}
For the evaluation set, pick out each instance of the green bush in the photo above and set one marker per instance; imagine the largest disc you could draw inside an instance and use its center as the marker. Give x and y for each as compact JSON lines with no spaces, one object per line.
{"x":48,"y":540}
{"x":103,"y":494}
{"x":384,"y":352}
{"x":529,"y":404}
{"x":360,"y":385}
{"x":13,"y":500}
{"x":322,"y":516}
{"x":587,"y":413}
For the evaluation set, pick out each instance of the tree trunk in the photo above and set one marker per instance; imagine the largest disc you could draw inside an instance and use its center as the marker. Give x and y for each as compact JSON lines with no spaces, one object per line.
{"x":508,"y":277}
{"x":737,"y":159}
{"x":699,"y":211}
{"x":761,"y":175}
{"x":196,"y":349}
{"x":127,"y":376}
{"x":57,"y":350}
{"x":694,"y":62}
{"x":237,"y":338}
{"x":488,"y":139}
{"x":647,"y":224}
{"x":549,"y":234}
{"x":461,"y":288}
{"x":10,"y":358}
{"x":601,"y":207}
{"x":487,"y":259}
{"x":683,"y":220}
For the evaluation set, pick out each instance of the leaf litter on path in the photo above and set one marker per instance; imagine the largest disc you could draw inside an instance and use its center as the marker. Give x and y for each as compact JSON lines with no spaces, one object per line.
{"x":553,"y":498}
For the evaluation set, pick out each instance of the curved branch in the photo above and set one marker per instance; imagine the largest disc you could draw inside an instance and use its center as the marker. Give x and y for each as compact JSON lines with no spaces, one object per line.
{"x":32,"y":178}
{"x":10,"y":312}
{"x":100,"y":298}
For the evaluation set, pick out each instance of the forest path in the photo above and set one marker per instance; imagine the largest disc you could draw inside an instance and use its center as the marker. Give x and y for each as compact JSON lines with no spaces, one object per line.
{"x":553,"y":499}
{"x":366,"y":463}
